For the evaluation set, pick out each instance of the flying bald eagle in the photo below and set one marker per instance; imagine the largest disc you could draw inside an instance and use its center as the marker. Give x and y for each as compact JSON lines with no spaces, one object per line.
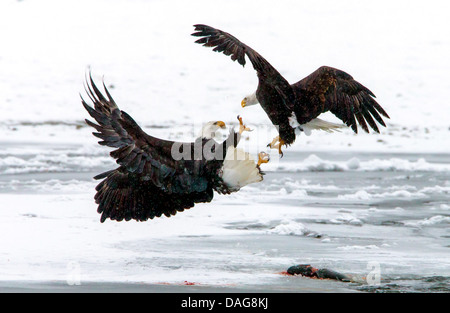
{"x":296,"y":106}
{"x":151,"y":179}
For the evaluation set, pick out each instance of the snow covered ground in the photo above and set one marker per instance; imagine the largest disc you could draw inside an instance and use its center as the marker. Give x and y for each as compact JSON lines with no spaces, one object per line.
{"x":342,"y":201}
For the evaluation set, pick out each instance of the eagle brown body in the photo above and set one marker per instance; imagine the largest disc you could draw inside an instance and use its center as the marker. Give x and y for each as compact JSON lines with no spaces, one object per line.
{"x":326,"y":89}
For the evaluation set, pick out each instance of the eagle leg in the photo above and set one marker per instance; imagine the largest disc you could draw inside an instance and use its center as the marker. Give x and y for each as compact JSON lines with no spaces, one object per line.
{"x":280,"y":144}
{"x":242,"y":127}
{"x":263,"y":158}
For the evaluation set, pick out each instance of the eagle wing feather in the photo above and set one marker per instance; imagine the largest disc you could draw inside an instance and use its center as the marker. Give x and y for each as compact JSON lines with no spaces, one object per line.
{"x":149,"y":182}
{"x":231,"y":46}
{"x":330,"y":89}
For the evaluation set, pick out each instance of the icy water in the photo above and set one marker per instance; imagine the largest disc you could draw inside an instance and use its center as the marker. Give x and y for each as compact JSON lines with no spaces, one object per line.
{"x":382,"y":218}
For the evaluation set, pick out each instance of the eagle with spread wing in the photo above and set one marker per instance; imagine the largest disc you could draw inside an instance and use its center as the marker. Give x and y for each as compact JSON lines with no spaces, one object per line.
{"x":295,"y":107}
{"x":151,"y":179}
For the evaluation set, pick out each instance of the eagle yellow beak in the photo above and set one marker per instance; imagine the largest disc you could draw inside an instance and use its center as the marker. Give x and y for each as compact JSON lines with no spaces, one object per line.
{"x":220,"y":124}
{"x":243,"y":103}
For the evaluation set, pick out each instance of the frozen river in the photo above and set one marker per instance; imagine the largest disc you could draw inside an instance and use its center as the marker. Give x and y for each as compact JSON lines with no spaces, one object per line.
{"x":381,"y":218}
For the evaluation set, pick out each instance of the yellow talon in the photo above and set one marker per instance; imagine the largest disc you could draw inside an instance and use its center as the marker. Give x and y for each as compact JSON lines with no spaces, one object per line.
{"x":274,"y":141}
{"x":242,"y":127}
{"x":277,"y":143}
{"x":279,"y":147}
{"x":263,"y":158}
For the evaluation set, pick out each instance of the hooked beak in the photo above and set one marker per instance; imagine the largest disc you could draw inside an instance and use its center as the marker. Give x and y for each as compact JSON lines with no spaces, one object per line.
{"x":243,"y":103}
{"x":220,"y":124}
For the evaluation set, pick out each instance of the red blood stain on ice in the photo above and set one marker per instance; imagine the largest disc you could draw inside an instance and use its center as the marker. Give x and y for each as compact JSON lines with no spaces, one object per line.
{"x":188,"y":283}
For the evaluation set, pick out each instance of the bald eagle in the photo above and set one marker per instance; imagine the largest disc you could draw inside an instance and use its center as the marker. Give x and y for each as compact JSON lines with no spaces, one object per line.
{"x":152,"y":179}
{"x":295,"y":107}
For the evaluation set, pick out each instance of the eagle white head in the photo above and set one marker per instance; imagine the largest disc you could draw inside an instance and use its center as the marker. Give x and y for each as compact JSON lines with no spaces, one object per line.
{"x":249,"y":100}
{"x":209,"y":130}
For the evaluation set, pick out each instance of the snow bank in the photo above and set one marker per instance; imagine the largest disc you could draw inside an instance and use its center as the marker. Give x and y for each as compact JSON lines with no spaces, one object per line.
{"x":315,"y":164}
{"x":290,"y":228}
{"x":431,"y":221}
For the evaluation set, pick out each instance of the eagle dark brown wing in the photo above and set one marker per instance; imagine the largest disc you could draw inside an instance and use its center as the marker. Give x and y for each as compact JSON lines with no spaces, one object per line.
{"x":149,"y":182}
{"x":122,"y":195}
{"x":268,"y":76}
{"x":230,"y":45}
{"x":136,"y":151}
{"x":330,"y":89}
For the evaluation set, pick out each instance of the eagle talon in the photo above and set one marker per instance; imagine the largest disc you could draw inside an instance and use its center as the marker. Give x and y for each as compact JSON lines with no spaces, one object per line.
{"x":273,"y":145}
{"x":263,"y":158}
{"x":277,"y":143}
{"x":242,"y":127}
{"x":280,"y":144}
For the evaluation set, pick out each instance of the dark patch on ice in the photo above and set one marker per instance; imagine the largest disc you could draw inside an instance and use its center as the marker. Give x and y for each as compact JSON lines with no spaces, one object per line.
{"x":235,"y":203}
{"x":157,"y":126}
{"x":252,"y":225}
{"x":390,"y":223}
{"x":29,"y":215}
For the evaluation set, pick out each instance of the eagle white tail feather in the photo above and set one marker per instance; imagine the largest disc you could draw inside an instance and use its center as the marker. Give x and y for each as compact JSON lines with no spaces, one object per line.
{"x":316,"y":124}
{"x":319,"y":124}
{"x":239,"y":169}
